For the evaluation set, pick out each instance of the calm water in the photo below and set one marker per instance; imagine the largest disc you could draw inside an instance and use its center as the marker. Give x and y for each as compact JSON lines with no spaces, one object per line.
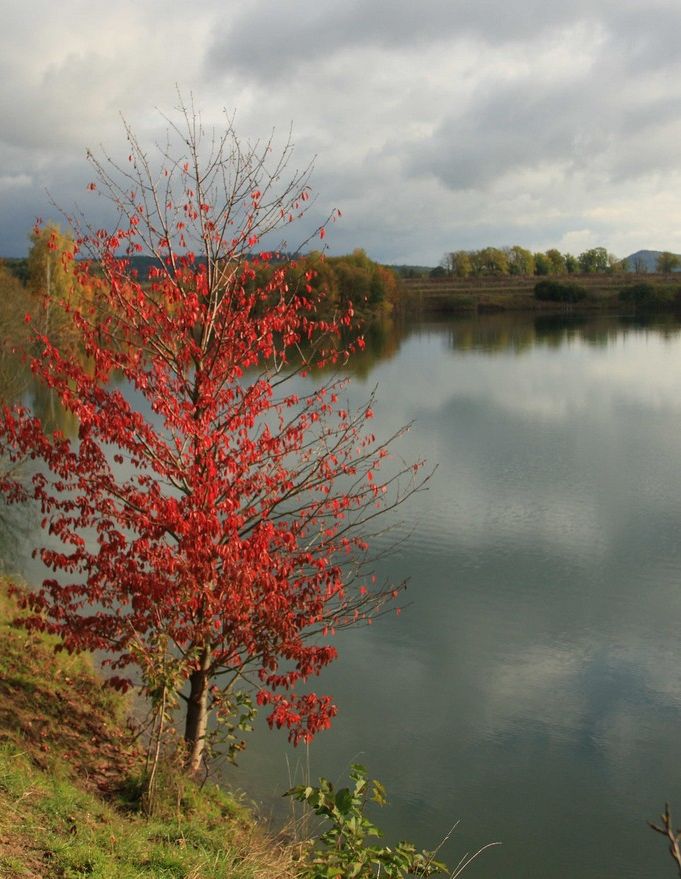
{"x":532,"y":688}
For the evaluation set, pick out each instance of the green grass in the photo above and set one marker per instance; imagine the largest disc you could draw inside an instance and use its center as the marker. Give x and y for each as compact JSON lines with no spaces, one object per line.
{"x":51,"y":827}
{"x":69,"y":779}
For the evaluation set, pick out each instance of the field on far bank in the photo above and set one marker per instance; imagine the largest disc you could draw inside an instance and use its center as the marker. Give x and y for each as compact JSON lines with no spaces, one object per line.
{"x":516,"y":292}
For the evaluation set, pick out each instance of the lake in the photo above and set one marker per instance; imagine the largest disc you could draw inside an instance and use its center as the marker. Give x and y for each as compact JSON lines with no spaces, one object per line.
{"x":531,"y":690}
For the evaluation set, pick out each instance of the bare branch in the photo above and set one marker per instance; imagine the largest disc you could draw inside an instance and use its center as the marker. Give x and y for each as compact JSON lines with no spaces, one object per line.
{"x":673,"y":836}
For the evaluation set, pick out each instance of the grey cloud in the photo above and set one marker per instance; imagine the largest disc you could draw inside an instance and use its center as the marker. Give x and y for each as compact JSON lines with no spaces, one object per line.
{"x":51,"y":194}
{"x":647,"y":35}
{"x":270,"y":39}
{"x":518,"y":127}
{"x":601,"y":123}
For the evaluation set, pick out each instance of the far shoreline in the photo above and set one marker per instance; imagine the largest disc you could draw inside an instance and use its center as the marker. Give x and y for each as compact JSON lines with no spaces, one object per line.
{"x":494,"y":294}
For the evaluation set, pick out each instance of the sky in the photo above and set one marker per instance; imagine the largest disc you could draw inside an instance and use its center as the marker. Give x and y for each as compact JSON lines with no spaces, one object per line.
{"x":433,"y":126}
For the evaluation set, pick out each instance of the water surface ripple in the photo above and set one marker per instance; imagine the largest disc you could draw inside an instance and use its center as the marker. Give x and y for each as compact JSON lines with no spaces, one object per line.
{"x":531,"y":689}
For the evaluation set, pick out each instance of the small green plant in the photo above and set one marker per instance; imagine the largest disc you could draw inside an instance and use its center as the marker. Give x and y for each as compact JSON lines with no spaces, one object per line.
{"x":343,"y":851}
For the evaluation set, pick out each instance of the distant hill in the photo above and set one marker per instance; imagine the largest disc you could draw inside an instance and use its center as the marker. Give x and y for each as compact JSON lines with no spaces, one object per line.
{"x":142,"y":264}
{"x":643,"y":260}
{"x":139,"y":264}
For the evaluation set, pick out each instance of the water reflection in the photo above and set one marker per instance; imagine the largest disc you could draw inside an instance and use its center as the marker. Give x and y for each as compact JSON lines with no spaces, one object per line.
{"x":18,"y":386}
{"x":506,"y":333}
{"x":521,"y":333}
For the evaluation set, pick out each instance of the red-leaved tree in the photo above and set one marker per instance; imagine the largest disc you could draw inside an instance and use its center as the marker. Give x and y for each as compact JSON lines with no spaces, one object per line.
{"x":215,"y":504}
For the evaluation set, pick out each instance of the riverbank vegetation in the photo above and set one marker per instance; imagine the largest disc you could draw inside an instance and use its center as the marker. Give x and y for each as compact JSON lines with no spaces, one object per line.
{"x":69,"y":806}
{"x":48,"y":276}
{"x":591,"y":292}
{"x":490,"y":279}
{"x":515,"y":278}
{"x":73,"y":798}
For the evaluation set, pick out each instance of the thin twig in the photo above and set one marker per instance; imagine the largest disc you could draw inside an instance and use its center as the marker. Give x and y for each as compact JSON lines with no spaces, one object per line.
{"x":673,"y":836}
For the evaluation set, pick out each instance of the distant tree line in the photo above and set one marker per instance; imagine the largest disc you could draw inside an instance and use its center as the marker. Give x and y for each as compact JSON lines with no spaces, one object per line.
{"x":45,"y":274}
{"x":517,"y":260}
{"x":665,"y":262}
{"x":372,"y":288}
{"x":354,"y":277}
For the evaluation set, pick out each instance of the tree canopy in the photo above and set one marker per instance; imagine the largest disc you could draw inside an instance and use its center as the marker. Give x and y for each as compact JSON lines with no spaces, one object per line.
{"x":668,"y":262}
{"x":209,"y":525}
{"x":517,"y":260}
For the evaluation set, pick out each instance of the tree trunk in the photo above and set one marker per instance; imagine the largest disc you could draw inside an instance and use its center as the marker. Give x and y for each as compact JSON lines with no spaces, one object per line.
{"x":197,"y":713}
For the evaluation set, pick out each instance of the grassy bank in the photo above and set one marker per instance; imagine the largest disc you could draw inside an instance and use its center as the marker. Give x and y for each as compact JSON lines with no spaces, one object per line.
{"x":67,"y":790}
{"x":516,"y":293}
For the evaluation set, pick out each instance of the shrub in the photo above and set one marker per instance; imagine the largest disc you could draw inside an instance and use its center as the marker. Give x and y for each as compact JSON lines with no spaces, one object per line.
{"x":647,"y":294}
{"x":343,"y":850}
{"x":554,"y":291}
